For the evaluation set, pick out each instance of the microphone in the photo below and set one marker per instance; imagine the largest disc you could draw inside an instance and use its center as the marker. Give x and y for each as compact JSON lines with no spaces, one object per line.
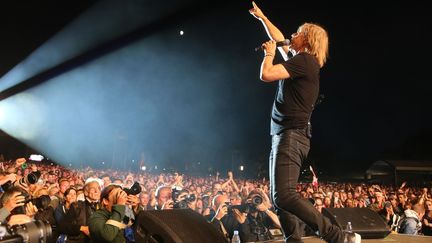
{"x":278,"y":44}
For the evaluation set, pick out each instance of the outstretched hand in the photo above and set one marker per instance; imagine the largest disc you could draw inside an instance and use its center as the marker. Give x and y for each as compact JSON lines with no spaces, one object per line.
{"x":256,"y":12}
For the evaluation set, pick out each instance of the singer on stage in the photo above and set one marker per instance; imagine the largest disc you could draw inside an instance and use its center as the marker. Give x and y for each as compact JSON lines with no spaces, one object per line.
{"x":298,"y":88}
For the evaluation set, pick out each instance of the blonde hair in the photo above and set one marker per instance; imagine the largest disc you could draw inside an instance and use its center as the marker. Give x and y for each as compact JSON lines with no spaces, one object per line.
{"x":317,"y":39}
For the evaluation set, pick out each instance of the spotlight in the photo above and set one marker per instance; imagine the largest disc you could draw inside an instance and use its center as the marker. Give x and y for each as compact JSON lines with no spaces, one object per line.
{"x":241,"y":167}
{"x":143,"y":168}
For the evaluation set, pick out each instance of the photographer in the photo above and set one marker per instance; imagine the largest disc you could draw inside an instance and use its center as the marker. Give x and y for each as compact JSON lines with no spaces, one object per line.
{"x":109,"y":223}
{"x":255,"y":217}
{"x":183,"y":199}
{"x":22,"y":222}
{"x":164,"y":198}
{"x":221,"y":217}
{"x":15,"y":206}
{"x":10,"y":201}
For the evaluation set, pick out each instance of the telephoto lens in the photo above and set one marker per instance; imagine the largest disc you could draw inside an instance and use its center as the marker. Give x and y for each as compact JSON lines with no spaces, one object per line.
{"x":31,"y":232}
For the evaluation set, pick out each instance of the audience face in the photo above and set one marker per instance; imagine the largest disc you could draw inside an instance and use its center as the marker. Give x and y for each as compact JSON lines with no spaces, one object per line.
{"x":336,"y":195}
{"x":327,"y":202}
{"x":92,"y":191}
{"x":118,"y":182}
{"x":401,"y":198}
{"x":106,"y":181}
{"x":71,"y":197}
{"x":349,"y":203}
{"x":144,"y":199}
{"x":64,"y":185}
{"x":428,"y":205}
{"x":394,"y":201}
{"x":236,"y":200}
{"x":379,"y":197}
{"x":319,"y":204}
{"x":217,"y":188}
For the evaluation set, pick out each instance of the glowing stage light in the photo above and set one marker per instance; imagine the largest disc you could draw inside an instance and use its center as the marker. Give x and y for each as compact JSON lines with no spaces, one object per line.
{"x":22,"y":116}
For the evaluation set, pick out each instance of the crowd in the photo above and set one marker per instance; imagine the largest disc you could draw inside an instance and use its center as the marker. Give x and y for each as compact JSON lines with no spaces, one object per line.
{"x":87,"y":205}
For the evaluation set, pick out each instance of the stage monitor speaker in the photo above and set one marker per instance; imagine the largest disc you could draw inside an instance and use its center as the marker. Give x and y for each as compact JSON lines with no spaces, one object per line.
{"x":175,"y":226}
{"x":366,"y":222}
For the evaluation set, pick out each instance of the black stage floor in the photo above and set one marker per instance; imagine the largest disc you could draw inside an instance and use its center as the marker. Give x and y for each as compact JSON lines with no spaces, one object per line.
{"x":391,"y":238}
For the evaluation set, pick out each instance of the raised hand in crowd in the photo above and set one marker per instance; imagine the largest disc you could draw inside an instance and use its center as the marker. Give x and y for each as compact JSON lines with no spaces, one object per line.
{"x":19,"y":162}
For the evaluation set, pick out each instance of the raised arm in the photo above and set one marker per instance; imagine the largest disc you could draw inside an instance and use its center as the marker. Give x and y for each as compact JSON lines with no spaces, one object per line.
{"x":272,"y":31}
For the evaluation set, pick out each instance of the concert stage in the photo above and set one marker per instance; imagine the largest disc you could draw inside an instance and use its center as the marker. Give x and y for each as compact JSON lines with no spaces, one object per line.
{"x":391,"y":238}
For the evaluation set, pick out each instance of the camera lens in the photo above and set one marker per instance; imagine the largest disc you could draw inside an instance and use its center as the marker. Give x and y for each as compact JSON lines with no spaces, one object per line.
{"x":191,"y":198}
{"x":181,"y":204}
{"x":36,"y":231}
{"x":257,"y":200}
{"x":33,"y":177}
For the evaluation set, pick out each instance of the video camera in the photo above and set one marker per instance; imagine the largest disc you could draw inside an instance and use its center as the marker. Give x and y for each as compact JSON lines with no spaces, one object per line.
{"x":30,"y":178}
{"x":183,"y":203}
{"x":32,"y":232}
{"x":135,"y":189}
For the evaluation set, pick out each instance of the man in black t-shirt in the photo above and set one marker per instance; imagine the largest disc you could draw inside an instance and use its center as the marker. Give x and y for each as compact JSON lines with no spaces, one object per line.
{"x":296,"y":95}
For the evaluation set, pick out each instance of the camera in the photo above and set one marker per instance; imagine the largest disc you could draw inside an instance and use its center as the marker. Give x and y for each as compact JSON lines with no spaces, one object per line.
{"x":40,"y":202}
{"x":32,"y":232}
{"x":250,"y":206}
{"x":30,"y":178}
{"x":184,"y":202}
{"x":134,"y":189}
{"x":257,"y":200}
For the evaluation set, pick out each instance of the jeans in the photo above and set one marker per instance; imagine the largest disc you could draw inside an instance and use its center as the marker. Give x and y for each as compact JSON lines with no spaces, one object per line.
{"x":289,"y":150}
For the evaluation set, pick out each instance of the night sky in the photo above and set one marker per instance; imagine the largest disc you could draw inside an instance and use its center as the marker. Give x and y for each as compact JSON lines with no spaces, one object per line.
{"x":376,"y":82}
